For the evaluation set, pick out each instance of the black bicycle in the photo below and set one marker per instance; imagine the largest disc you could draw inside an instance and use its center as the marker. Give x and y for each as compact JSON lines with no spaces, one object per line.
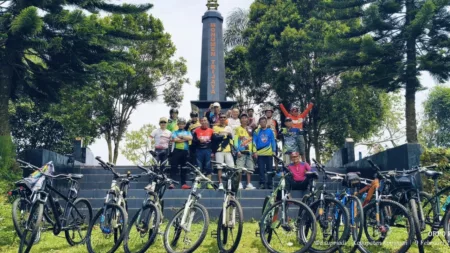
{"x":21,"y":204}
{"x":332,"y":216}
{"x":73,"y":219}
{"x":110,"y":223}
{"x":144,"y":226}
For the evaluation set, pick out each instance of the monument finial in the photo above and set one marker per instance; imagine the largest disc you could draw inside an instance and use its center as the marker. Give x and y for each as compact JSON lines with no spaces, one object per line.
{"x":212,"y":5}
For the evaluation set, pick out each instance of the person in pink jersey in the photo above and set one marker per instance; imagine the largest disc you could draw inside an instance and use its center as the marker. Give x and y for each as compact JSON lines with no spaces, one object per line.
{"x":298,"y":170}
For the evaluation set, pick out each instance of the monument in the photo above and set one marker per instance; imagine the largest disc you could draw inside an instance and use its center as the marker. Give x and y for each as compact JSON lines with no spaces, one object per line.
{"x":212,"y":75}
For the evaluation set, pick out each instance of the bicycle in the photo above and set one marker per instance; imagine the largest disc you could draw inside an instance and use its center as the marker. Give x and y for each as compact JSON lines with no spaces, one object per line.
{"x":348,"y":197}
{"x":298,"y":230}
{"x":21,"y":204}
{"x":147,"y":220}
{"x":112,"y":218}
{"x":184,"y":220}
{"x":73,"y":219}
{"x":231,"y":213}
{"x":384,"y":216}
{"x":332,"y":216}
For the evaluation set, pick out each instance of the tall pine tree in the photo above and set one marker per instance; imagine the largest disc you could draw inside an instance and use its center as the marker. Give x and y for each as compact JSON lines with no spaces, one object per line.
{"x":396,"y":41}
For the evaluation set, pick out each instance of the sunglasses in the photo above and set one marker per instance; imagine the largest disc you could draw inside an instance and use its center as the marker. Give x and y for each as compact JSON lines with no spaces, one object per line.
{"x":162,"y":122}
{"x":223,"y":117}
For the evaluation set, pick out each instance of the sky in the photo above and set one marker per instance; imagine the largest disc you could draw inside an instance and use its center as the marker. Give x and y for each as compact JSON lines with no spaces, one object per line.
{"x":183,"y":20}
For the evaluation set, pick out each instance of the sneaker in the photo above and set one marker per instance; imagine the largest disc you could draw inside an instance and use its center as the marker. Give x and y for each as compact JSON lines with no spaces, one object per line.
{"x":171,"y":186}
{"x":262,"y":186}
{"x":241,"y":186}
{"x":250,"y":187}
{"x":220,"y":186}
{"x":185,"y":187}
{"x":209,"y":187}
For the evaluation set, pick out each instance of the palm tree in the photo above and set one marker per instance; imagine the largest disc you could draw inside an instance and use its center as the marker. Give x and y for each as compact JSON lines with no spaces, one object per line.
{"x":237,"y":23}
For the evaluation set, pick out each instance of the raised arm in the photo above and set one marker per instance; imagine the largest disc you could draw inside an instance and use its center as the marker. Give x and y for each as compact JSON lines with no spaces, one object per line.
{"x":308,"y":109}
{"x":285,"y":112}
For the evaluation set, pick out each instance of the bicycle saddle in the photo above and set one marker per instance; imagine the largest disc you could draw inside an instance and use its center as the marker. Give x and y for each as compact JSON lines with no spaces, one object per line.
{"x":312,"y":174}
{"x":76,"y":176}
{"x":433,"y":174}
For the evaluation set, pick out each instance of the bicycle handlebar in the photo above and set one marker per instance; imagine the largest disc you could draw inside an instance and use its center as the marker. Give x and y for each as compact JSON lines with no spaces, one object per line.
{"x":198,"y":172}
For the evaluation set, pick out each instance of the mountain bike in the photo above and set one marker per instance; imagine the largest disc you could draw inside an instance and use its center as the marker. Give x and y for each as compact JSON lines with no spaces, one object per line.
{"x":111,"y":220}
{"x":385,"y":218}
{"x":286,"y":225}
{"x":185,"y":225}
{"x":144,"y":226}
{"x":404,"y":186}
{"x":348,"y":197}
{"x":332,"y":216}
{"x":22,"y":204}
{"x":73,"y":219}
{"x":232,"y":216}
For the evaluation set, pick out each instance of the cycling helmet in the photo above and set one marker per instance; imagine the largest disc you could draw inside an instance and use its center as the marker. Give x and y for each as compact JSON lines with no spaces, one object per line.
{"x":173,"y":110}
{"x":181,"y":120}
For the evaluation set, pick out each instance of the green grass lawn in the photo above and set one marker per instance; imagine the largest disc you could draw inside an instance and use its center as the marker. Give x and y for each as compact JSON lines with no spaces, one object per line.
{"x":249,"y":243}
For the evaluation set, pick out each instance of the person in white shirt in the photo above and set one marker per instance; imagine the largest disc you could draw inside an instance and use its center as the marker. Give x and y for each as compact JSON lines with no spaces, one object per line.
{"x":162,"y":140}
{"x":234,"y":121}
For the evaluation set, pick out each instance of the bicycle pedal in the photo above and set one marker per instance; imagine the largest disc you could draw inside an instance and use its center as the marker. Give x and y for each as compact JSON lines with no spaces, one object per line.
{"x":257,"y":233}
{"x":214,"y":234}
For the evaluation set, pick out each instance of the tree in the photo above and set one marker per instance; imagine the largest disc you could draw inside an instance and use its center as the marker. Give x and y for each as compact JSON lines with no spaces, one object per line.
{"x":392,"y":132}
{"x":287,"y":53}
{"x":39,"y":54}
{"x":33,"y":128}
{"x":437,"y":111}
{"x":138,"y":144}
{"x":121,"y":86}
{"x":237,"y":24}
{"x":396,"y":41}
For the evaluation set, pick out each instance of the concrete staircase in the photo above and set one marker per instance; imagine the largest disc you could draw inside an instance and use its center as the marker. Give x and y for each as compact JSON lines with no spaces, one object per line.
{"x":97,"y":181}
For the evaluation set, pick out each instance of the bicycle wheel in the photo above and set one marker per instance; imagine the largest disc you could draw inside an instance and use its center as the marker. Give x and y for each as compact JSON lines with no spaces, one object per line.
{"x":226,"y":240}
{"x":192,"y":232}
{"x":391,"y":229}
{"x":356,"y":218}
{"x":20,"y":212}
{"x":118,"y":231}
{"x":101,"y":229}
{"x":447,"y":227}
{"x":333,"y":225}
{"x":142,"y":229}
{"x":32,"y":229}
{"x":412,"y":205}
{"x":78,"y":218}
{"x":285,"y":232}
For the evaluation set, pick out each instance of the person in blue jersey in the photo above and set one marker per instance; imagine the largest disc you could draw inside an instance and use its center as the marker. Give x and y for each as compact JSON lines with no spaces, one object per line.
{"x":291,"y":139}
{"x":180,"y":139}
{"x":265,"y":145}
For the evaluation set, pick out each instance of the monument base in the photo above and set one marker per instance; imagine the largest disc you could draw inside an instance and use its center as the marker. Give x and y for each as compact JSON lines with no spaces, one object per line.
{"x":204,"y":105}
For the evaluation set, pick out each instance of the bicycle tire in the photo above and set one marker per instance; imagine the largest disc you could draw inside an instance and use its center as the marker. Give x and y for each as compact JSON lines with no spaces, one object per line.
{"x":93,"y":222}
{"x":118,"y":232}
{"x":447,"y":226}
{"x":413,"y":209}
{"x":399,"y":208}
{"x":153,"y":232}
{"x":178,"y":215}
{"x":266,"y":200}
{"x":305,"y":210}
{"x":36,"y":214}
{"x":17,"y":205}
{"x":223,"y":238}
{"x":342,"y":214}
{"x":70,"y":240}
{"x":356,"y":233}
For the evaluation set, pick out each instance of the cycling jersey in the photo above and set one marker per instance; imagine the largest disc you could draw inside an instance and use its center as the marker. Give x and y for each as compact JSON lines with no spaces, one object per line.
{"x":297,"y":120}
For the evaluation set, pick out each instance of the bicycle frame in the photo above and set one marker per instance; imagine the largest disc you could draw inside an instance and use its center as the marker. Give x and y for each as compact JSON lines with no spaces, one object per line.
{"x":42,"y":196}
{"x":192,"y":199}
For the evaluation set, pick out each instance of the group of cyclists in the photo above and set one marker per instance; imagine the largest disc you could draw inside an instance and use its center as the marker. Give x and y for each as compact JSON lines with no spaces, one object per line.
{"x":237,"y":138}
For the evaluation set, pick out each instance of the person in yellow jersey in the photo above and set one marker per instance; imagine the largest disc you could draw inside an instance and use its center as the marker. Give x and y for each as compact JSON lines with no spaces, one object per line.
{"x":244,"y":147}
{"x":193,"y":124}
{"x":222,"y":145}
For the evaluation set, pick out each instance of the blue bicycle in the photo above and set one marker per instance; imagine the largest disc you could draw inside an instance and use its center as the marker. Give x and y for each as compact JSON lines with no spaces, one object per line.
{"x":348,"y":197}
